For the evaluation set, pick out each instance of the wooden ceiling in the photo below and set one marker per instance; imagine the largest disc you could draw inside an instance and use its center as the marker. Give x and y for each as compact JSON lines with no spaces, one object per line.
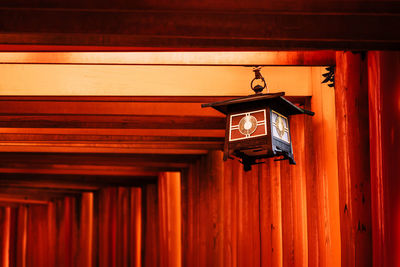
{"x":202,"y":25}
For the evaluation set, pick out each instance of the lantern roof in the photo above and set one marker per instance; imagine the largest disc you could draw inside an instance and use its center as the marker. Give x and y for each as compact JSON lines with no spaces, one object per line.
{"x":274,"y":99}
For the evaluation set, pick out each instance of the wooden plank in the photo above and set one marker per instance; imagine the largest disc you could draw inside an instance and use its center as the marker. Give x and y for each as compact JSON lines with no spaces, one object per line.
{"x":5,"y":213}
{"x":85,"y":253}
{"x":248,"y":218}
{"x":288,"y":208}
{"x":154,"y":99}
{"x":322,"y":180}
{"x":97,"y":159}
{"x":353,"y":159}
{"x":271,"y":214}
{"x":215,"y":204}
{"x":137,"y":172}
{"x":34,"y":184}
{"x":265,"y":58}
{"x":294,"y":208}
{"x":22,"y":232}
{"x":383,"y":96}
{"x":37,"y":249}
{"x":196,"y":30}
{"x":39,"y":197}
{"x":299,"y":189}
{"x":111,"y":122}
{"x":118,"y":132}
{"x":169,"y":186}
{"x":101,"y":108}
{"x":52,"y":148}
{"x":354,"y":6}
{"x":136,"y":230}
{"x":132,"y":147}
{"x":75,"y":182}
{"x":58,"y":165}
{"x":151,"y":225}
{"x":22,"y":200}
{"x":145,"y":81}
{"x":179,"y":141}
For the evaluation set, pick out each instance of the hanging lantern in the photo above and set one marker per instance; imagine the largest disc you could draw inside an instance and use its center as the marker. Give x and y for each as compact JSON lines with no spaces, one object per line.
{"x":258,"y":125}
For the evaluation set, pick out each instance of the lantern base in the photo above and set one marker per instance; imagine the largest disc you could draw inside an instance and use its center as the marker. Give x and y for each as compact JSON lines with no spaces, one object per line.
{"x":248,"y":161}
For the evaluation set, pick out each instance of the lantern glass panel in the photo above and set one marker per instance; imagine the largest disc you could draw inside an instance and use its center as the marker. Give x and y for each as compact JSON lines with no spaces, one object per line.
{"x":280,"y":126}
{"x":248,"y":125}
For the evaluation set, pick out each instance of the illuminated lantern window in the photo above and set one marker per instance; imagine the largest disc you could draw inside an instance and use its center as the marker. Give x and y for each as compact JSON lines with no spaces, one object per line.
{"x":258,"y":126}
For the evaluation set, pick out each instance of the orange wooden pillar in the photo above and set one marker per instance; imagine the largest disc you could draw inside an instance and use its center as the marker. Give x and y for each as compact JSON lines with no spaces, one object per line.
{"x":322,"y":178}
{"x":169,"y":191}
{"x":5,"y":216}
{"x":21,"y":236}
{"x":86,"y":230}
{"x":351,"y":93}
{"x":384,"y":113}
{"x":294,"y":200}
{"x":135,"y":235}
{"x":151,"y":227}
{"x":271,"y":214}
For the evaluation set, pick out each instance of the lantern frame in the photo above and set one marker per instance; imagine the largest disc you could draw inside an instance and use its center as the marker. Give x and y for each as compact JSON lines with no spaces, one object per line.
{"x":250,"y":149}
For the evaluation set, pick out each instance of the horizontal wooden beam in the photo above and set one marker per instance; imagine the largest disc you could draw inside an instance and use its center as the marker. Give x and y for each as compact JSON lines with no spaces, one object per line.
{"x":88,"y":167}
{"x":74,"y":182}
{"x":111,"y":122}
{"x":144,"y":81}
{"x":49,"y":192}
{"x":31,"y":196}
{"x":96,"y":159}
{"x":199,"y":30}
{"x":109,"y":108}
{"x":139,"y":99}
{"x":37,"y":183}
{"x":22,"y":200}
{"x":266,"y":58}
{"x":121,"y":133}
{"x":68,"y":148}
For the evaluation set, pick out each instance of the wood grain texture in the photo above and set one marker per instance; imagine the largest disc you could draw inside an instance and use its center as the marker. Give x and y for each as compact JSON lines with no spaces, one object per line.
{"x":271,"y":214}
{"x":294,"y":207}
{"x":138,"y":82}
{"x":169,"y":196}
{"x":178,"y":28}
{"x":5,"y":213}
{"x":383,"y":96}
{"x":282,"y":58}
{"x":151,"y":226}
{"x":322,"y":180}
{"x":351,"y":93}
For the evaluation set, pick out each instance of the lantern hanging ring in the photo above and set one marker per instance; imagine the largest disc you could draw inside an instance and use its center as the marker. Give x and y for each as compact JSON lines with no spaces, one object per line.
{"x":257,"y":76}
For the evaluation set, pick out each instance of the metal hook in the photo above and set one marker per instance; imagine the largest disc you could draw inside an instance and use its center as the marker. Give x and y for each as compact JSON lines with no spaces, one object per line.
{"x":257,"y":76}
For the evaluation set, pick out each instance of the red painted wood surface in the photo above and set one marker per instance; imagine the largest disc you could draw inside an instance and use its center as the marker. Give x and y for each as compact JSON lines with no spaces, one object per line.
{"x":5,"y":217}
{"x":169,"y":202}
{"x":294,"y":200}
{"x":206,"y":25}
{"x":384,"y":113}
{"x":151,"y":231}
{"x":117,"y":228}
{"x":246,"y":212}
{"x":351,"y":92}
{"x":63,"y":232}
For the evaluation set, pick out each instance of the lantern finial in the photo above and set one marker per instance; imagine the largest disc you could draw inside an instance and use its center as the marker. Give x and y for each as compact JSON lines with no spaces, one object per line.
{"x":257,"y":76}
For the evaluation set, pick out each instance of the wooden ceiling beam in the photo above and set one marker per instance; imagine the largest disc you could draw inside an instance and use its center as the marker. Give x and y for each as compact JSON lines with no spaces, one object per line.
{"x":68,"y":148}
{"x":198,"y":30}
{"x":265,"y":58}
{"x":72,"y":182}
{"x":111,"y":121}
{"x":126,"y":108}
{"x":29,"y":169}
{"x":22,"y":200}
